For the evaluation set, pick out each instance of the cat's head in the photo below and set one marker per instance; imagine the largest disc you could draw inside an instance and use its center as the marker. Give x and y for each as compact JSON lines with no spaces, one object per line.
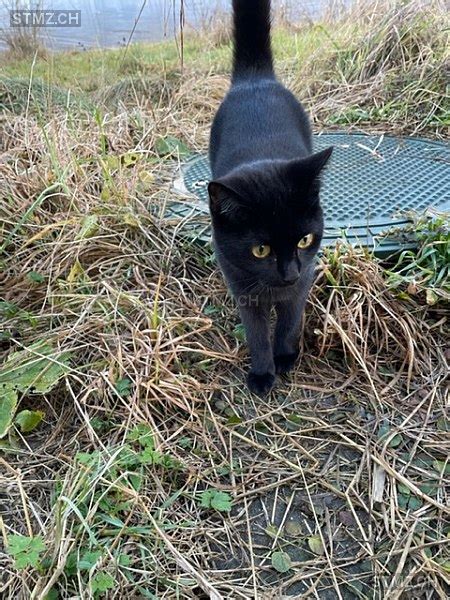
{"x":267,"y":220}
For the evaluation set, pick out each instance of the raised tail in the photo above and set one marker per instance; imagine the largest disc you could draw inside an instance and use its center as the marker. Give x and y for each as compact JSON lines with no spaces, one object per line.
{"x":252,"y":46}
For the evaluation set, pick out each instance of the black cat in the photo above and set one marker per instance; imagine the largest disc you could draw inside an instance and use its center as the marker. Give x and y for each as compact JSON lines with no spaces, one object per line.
{"x":264,"y":200}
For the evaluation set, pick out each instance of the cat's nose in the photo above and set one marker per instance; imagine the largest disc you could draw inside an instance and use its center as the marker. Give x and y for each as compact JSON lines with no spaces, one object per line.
{"x":290,"y":274}
{"x":290,"y":279}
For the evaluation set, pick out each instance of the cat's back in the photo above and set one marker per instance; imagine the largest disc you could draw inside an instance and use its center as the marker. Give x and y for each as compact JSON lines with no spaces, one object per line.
{"x":259,"y":119}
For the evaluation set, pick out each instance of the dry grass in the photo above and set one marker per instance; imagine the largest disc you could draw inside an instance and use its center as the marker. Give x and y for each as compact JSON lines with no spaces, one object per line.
{"x":390,"y":69}
{"x":22,"y":43}
{"x":344,"y":467}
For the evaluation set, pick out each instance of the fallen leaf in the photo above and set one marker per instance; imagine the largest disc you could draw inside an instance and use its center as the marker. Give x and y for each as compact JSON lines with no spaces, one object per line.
{"x":146,"y":177}
{"x":431,"y":297}
{"x":39,"y":367}
{"x":315,"y":545}
{"x":76,"y":272}
{"x":293,"y":528}
{"x":89,"y":227}
{"x":171,"y":146}
{"x":281,"y":562}
{"x":44,"y":232}
{"x":131,"y":220}
{"x":130,"y":159}
{"x":28,"y":420}
{"x":8,"y":405}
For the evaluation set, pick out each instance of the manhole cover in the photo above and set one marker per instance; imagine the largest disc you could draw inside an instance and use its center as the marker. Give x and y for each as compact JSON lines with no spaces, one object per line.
{"x":370,"y":183}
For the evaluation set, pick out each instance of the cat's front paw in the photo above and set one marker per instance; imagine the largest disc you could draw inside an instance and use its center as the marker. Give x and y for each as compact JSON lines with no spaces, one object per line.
{"x":285,"y":362}
{"x":260,"y":384}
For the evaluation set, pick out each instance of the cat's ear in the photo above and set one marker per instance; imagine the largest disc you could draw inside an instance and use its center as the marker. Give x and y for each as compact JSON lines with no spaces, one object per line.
{"x":218,"y":196}
{"x":223,"y":200}
{"x":305,"y":171}
{"x":317,"y":162}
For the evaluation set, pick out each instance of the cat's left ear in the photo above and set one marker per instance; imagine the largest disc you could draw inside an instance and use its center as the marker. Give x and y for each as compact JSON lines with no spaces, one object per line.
{"x":305,"y":171}
{"x":317,"y":162}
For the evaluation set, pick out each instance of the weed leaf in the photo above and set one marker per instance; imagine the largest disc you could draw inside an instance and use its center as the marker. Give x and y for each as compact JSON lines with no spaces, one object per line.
{"x":26,"y":551}
{"x":89,"y":560}
{"x":123,"y":387}
{"x":102,"y":582}
{"x":35,"y":277}
{"x":142,"y":434}
{"x":217,"y":500}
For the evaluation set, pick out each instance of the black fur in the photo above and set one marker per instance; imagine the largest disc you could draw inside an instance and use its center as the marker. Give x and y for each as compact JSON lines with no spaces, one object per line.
{"x":265,"y":190}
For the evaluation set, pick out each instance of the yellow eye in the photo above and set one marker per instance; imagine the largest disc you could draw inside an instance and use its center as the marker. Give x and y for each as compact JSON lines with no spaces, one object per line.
{"x":306,"y":241}
{"x":261,"y":251}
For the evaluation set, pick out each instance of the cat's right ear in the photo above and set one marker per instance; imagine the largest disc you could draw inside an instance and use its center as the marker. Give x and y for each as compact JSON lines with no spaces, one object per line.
{"x":223,"y":201}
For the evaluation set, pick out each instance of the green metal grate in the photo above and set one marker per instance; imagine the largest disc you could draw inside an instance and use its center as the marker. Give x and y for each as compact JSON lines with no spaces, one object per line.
{"x":371,"y":182}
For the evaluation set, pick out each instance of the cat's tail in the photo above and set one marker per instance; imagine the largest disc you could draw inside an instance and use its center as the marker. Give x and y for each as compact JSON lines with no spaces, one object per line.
{"x":252,"y":46}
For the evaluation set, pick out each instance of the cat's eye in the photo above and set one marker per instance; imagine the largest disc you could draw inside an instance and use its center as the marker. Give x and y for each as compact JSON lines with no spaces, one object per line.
{"x":261,"y":251}
{"x":306,"y":241}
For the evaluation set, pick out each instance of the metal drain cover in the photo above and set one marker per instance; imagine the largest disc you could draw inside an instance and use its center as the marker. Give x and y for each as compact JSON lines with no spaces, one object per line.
{"x":370,"y":184}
